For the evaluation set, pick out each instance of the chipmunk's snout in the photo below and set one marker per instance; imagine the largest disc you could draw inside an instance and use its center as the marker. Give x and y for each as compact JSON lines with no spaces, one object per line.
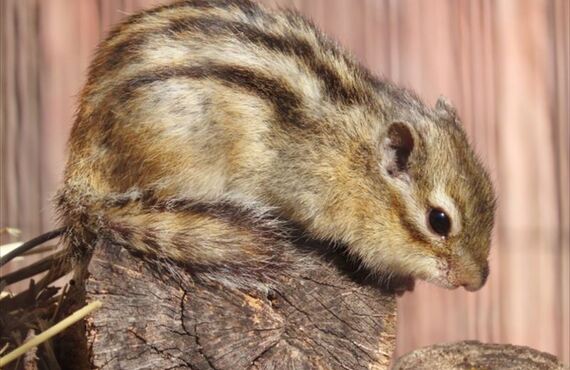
{"x":475,"y":281}
{"x":452,"y":275}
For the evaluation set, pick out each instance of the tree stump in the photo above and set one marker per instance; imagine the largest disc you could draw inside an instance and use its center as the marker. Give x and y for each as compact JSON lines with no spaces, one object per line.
{"x":474,"y":355}
{"x":320,"y":318}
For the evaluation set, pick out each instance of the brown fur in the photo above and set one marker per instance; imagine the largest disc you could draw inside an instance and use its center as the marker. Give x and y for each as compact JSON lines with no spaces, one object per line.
{"x":222,"y":105}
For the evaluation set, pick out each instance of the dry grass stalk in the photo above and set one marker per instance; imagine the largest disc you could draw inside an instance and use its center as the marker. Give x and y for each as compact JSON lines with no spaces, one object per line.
{"x":56,"y":329}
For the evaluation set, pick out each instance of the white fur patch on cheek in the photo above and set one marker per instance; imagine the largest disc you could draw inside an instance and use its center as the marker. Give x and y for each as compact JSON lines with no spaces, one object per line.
{"x":441,"y":275}
{"x":427,"y":268}
{"x":417,"y":214}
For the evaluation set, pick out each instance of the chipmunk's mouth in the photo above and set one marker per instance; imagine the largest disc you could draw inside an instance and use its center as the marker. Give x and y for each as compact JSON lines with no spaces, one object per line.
{"x":450,"y":277}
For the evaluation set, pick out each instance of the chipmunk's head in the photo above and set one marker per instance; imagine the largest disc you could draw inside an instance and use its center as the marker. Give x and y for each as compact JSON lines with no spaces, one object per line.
{"x":409,"y":200}
{"x":442,"y":197}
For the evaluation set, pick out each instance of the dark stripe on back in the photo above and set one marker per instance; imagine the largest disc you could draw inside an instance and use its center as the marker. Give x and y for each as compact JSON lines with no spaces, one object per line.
{"x":110,"y":58}
{"x":286,"y":103}
{"x":288,"y":45}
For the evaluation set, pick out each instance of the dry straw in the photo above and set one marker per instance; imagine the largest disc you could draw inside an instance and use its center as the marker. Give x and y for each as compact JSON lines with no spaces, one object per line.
{"x":56,"y":329}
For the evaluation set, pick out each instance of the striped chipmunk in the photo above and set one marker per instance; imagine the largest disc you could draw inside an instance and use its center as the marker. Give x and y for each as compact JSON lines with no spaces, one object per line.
{"x":208,"y":127}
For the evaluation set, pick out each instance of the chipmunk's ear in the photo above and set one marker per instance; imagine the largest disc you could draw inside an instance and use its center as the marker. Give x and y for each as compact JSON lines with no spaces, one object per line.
{"x":397,"y":148}
{"x":445,"y":108}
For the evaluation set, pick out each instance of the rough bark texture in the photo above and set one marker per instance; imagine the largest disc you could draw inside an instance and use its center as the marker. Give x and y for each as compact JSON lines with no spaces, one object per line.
{"x":474,"y":355}
{"x":317,"y":319}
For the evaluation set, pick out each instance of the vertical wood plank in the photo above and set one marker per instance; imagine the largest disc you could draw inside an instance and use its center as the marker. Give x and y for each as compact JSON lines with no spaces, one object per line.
{"x":9,"y":117}
{"x":27,"y":101}
{"x":561,"y":29}
{"x":21,"y":129}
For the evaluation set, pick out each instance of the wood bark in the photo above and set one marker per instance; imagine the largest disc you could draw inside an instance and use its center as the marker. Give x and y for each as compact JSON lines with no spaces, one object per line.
{"x":320,"y":318}
{"x":477,"y":355}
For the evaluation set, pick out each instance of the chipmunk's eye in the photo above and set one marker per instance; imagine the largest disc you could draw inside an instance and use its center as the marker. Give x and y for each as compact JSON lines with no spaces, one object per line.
{"x":439,"y":222}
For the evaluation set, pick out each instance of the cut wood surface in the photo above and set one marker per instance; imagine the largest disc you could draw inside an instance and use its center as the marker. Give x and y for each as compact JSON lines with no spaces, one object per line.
{"x":315,"y":319}
{"x":474,"y":355}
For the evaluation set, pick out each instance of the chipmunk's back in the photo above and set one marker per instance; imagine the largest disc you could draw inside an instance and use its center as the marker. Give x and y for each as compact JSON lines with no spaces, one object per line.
{"x":181,"y":96}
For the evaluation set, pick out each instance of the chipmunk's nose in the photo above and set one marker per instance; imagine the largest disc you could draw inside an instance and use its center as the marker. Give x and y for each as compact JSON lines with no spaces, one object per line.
{"x":476,"y":281}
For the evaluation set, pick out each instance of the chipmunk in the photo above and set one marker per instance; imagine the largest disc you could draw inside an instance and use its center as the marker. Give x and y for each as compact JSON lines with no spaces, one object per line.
{"x":204,"y":123}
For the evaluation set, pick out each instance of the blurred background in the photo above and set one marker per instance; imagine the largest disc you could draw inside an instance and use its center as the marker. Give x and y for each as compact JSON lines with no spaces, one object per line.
{"x":504,"y":63}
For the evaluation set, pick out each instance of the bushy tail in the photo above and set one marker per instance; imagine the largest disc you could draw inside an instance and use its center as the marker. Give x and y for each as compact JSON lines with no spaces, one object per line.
{"x":204,"y":236}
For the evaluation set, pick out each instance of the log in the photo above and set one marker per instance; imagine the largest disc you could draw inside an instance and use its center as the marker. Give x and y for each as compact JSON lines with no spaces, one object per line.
{"x":477,"y":355}
{"x":153,"y":318}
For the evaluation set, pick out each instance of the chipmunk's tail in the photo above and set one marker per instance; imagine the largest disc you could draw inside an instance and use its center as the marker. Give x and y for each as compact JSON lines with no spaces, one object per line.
{"x":202,"y":235}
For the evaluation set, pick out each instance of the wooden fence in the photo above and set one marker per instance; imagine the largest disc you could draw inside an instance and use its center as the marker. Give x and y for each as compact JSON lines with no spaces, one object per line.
{"x":504,"y":63}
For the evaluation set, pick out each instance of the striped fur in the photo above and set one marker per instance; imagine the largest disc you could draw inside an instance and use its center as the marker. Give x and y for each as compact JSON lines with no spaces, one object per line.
{"x":233,"y":117}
